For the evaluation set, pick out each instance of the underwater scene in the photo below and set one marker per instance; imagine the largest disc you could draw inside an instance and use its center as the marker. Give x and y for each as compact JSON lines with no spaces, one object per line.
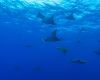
{"x":49,"y":39}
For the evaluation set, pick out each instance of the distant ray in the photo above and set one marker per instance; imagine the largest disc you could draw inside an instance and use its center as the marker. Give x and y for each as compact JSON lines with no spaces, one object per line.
{"x":28,"y":46}
{"x":53,"y":37}
{"x":49,"y":20}
{"x":17,"y":67}
{"x":82,"y":29}
{"x":37,"y":69}
{"x":70,"y":16}
{"x":63,"y":49}
{"x":40,"y":15}
{"x":97,"y":52}
{"x":79,"y":61}
{"x":78,"y":41}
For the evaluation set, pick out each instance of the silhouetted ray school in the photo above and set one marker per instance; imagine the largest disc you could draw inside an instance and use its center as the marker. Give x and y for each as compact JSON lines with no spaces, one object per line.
{"x":50,"y":19}
{"x":49,"y":39}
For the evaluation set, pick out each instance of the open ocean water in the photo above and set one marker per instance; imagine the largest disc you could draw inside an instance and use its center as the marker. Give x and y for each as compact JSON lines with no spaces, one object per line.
{"x":49,"y":39}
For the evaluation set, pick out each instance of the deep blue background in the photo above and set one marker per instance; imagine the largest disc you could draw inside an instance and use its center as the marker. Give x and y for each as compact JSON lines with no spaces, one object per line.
{"x":17,"y":61}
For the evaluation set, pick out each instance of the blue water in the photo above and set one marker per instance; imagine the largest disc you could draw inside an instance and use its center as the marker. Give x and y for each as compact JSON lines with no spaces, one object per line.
{"x":24,"y":55}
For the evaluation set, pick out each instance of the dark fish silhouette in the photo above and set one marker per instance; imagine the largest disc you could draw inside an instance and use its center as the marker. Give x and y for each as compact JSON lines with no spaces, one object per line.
{"x":63,"y":49}
{"x":53,"y":37}
{"x":78,"y":61}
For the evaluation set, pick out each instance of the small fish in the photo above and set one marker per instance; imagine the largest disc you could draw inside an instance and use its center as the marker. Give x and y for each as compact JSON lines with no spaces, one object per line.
{"x":78,"y":61}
